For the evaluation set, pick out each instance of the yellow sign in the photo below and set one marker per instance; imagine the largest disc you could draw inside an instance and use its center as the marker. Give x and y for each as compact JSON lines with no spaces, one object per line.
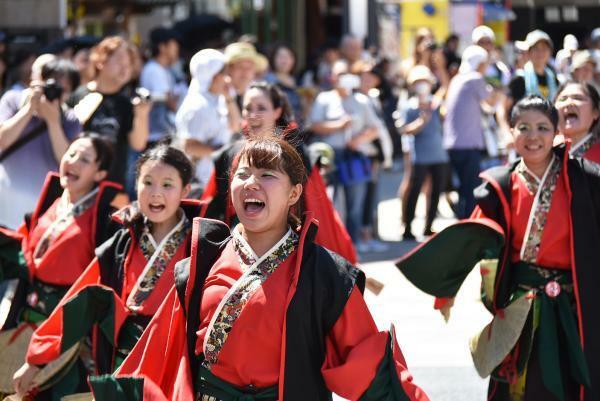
{"x":415,"y":14}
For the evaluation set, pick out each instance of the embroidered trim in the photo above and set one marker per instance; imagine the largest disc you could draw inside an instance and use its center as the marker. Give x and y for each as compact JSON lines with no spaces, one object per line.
{"x":158,"y":257}
{"x":256,"y":272}
{"x":581,"y":148}
{"x":65,"y":215}
{"x":543,"y":189}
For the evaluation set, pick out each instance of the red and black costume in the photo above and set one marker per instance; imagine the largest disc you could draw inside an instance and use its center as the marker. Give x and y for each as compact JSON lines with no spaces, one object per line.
{"x":116,"y":296}
{"x":289,"y":325}
{"x":545,"y":234}
{"x":47,"y":239}
{"x":332,"y":232}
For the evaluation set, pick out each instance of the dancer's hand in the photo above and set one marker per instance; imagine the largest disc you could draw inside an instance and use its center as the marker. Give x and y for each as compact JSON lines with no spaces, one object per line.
{"x":23,"y":378}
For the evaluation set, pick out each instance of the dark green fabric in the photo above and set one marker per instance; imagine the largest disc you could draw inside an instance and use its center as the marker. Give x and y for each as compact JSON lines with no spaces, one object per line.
{"x":92,"y":305}
{"x":555,"y":314}
{"x":31,"y":316}
{"x":209,"y":384}
{"x":107,"y":387}
{"x":129,"y":334}
{"x":386,"y":385}
{"x":440,"y":266}
{"x":12,"y":261}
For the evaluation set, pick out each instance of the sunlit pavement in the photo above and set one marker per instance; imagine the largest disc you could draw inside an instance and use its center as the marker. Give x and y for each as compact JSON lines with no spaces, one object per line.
{"x":437,"y":353}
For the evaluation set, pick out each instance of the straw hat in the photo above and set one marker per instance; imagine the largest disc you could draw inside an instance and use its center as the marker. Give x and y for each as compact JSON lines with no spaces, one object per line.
{"x":245,"y":51}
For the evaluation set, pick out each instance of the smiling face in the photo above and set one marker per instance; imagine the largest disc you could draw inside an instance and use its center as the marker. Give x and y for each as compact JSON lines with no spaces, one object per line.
{"x":533,"y":133}
{"x":259,"y":112}
{"x":576,"y":111}
{"x":262,"y":198}
{"x":79,"y":168}
{"x":160,"y":191}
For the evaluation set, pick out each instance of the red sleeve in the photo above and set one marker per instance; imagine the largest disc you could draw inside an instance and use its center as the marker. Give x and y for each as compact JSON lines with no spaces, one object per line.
{"x":45,"y":345}
{"x":161,"y":355}
{"x":355,"y":350}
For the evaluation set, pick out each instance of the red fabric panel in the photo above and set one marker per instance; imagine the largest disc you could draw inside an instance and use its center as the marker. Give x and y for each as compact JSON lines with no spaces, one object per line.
{"x":593,"y":153}
{"x":332,"y":233}
{"x":161,"y":357}
{"x":554,"y":247}
{"x":252,"y":352}
{"x":45,"y":343}
{"x":76,"y":244}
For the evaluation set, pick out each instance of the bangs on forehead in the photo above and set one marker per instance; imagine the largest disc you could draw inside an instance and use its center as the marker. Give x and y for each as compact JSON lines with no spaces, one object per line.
{"x":263,"y":154}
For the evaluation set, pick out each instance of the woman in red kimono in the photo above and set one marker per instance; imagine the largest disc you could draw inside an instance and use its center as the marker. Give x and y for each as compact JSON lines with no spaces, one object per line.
{"x":70,"y":220}
{"x":261,"y":312}
{"x":266,"y":111}
{"x":122,"y":288}
{"x":540,"y":218}
{"x":578,"y":105}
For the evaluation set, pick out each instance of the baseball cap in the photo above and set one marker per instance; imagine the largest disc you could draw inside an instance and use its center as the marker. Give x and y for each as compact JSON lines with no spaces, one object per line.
{"x":481,"y":32}
{"x":580,"y":58}
{"x":534,"y":37}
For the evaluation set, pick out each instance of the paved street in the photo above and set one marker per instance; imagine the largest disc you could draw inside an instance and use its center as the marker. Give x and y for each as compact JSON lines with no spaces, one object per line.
{"x":436,"y":352}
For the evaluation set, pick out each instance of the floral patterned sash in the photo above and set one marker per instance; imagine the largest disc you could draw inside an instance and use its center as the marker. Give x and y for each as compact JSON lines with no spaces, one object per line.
{"x":586,"y":144}
{"x":256,"y":272}
{"x":158,"y":257}
{"x":65,"y":215}
{"x":543,"y":189}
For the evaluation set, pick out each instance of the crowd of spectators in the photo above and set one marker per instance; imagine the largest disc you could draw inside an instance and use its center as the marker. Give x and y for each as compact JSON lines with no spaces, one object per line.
{"x":448,"y":105}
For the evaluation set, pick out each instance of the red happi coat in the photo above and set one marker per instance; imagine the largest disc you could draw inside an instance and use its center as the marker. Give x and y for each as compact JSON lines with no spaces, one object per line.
{"x":108,"y":285}
{"x":76,"y":244}
{"x":569,"y":242}
{"x":359,"y":362}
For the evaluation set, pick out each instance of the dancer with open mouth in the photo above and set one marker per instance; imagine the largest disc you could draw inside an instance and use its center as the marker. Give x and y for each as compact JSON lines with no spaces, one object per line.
{"x":55,"y":244}
{"x":261,"y":312}
{"x":122,"y":288}
{"x":578,"y":105}
{"x":267,"y":112}
{"x":535,"y":233}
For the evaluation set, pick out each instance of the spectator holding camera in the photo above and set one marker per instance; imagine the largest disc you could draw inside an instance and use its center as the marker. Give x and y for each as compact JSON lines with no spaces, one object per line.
{"x":35,"y":131}
{"x":102,"y":107}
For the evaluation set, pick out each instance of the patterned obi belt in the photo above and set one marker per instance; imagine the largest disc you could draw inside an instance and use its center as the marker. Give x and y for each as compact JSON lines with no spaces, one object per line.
{"x":211,"y":388}
{"x":556,"y":324}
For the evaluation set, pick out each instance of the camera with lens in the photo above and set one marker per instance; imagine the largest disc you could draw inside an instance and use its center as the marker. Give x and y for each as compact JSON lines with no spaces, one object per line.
{"x":432,"y":46}
{"x":146,"y":96}
{"x":143,"y":93}
{"x":52,"y":90}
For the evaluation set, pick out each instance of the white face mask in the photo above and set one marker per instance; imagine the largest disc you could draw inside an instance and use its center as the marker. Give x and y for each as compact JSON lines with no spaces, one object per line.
{"x":422,"y":88}
{"x":348,"y":82}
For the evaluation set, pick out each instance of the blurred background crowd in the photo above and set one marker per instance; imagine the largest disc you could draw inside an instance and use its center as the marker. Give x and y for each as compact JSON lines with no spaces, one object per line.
{"x":425,"y":87}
